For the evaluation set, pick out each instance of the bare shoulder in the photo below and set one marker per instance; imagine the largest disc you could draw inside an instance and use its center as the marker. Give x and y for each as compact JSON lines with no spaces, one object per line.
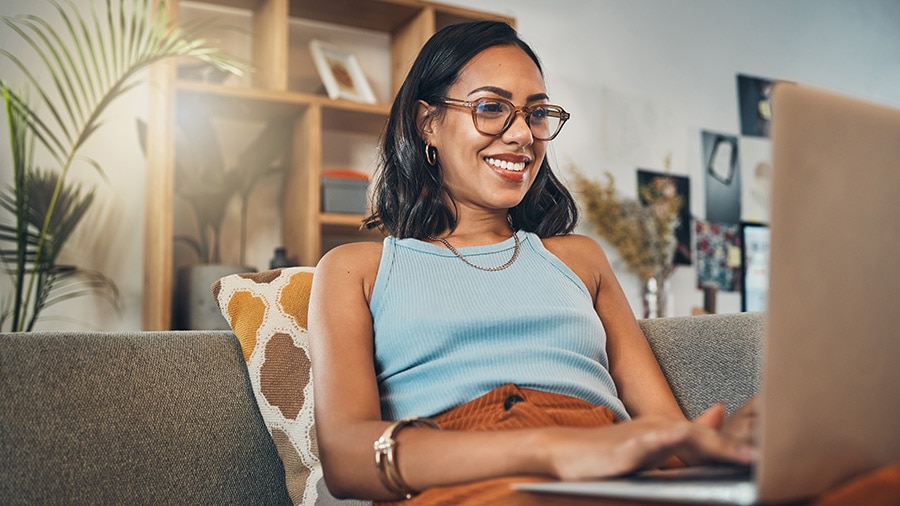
{"x":583,"y":255}
{"x":353,"y":255}
{"x":574,"y":247}
{"x":351,"y":264}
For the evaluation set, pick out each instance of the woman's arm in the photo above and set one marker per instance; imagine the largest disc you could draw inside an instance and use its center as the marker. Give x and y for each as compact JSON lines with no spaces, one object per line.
{"x":639,"y":380}
{"x":642,"y":386}
{"x":341,"y":350}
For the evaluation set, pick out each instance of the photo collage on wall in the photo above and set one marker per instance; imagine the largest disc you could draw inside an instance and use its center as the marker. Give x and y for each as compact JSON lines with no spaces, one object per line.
{"x":737,"y":173}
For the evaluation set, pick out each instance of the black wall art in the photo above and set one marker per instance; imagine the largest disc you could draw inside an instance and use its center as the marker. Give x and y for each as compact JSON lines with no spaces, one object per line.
{"x":755,"y":108}
{"x":722,"y":175}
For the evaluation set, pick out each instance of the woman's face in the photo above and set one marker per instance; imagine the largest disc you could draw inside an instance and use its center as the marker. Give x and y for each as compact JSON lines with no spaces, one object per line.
{"x":490,"y":172}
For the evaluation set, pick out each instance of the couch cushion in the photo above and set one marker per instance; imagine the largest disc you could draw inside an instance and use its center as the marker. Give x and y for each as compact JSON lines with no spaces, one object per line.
{"x":131,"y":418}
{"x":709,"y":358}
{"x":268,"y":313}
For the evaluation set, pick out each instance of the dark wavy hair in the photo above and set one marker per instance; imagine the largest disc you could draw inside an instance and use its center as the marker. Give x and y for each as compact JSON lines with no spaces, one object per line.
{"x":408,"y":194}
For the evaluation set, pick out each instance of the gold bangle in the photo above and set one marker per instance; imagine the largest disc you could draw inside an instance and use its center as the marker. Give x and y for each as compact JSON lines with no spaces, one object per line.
{"x":386,"y":459}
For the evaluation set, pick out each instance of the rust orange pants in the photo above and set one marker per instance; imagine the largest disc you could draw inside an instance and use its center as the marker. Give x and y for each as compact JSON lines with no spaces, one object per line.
{"x":506,"y":408}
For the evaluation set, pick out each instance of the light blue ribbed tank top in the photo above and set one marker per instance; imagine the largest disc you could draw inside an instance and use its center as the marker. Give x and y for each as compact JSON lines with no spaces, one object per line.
{"x":446,"y":333}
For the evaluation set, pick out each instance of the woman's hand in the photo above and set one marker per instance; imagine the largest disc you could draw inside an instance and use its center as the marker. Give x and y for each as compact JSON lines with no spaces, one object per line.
{"x":741,"y":425}
{"x":739,"y":428}
{"x":641,"y":444}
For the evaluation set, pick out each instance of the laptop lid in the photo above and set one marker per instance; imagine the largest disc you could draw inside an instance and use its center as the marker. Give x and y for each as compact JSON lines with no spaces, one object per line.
{"x":831,"y":382}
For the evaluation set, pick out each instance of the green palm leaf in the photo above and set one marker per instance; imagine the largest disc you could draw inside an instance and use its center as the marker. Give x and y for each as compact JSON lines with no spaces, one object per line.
{"x":91,"y":60}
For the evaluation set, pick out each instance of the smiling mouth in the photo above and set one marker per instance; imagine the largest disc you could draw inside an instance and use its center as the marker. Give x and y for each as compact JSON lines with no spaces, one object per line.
{"x":503,"y":164}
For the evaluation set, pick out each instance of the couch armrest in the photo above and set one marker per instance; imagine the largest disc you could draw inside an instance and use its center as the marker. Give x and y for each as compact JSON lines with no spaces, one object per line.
{"x":708,"y":358}
{"x":132,"y":418}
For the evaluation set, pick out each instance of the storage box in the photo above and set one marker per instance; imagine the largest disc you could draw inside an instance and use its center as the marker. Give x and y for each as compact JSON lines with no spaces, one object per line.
{"x":344,"y":192}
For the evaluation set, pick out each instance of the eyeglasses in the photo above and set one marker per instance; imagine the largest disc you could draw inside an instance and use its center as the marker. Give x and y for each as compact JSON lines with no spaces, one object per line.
{"x":493,"y":116}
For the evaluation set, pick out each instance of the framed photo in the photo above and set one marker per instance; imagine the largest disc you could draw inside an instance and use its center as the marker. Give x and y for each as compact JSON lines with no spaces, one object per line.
{"x":718,"y":255}
{"x":341,"y":73}
{"x":754,"y":266}
{"x":722,"y":177}
{"x":681,"y":185}
{"x":755,"y":109}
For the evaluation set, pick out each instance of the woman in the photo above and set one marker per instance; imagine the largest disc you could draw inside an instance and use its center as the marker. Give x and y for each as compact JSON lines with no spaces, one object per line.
{"x":481,"y":309}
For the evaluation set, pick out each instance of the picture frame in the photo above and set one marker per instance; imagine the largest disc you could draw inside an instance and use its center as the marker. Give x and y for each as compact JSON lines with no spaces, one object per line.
{"x":755,"y":238}
{"x":722,"y":177}
{"x":682,"y":186}
{"x":718,"y":255}
{"x":755,"y":108}
{"x":340,"y":73}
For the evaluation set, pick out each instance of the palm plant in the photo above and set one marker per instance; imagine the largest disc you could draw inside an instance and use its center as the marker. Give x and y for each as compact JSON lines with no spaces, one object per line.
{"x":91,"y":62}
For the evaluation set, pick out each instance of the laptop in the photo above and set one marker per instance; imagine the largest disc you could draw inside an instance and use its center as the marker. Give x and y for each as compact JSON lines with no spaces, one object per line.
{"x":830,"y":399}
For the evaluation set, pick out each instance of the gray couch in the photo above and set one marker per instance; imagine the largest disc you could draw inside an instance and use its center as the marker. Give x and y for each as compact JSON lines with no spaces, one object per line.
{"x":170,"y":417}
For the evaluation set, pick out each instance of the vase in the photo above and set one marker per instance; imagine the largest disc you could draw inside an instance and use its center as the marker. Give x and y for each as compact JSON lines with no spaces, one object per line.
{"x":657,"y":296}
{"x":195,"y":307}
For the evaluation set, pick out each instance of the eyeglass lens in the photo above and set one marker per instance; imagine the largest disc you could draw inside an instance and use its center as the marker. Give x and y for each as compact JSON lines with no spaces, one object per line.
{"x":493,"y":117}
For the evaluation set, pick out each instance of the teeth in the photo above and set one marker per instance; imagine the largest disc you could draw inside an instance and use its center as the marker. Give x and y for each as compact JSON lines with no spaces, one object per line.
{"x":515,"y":167}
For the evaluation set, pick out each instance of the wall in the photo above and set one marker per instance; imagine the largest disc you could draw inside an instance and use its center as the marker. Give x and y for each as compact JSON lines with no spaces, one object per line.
{"x":641,"y":77}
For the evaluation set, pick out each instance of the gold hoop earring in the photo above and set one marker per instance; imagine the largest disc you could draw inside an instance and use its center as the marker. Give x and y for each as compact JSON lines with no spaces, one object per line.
{"x":430,"y":154}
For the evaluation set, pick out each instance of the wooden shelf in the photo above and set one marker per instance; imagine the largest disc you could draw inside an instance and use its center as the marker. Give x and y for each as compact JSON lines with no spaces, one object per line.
{"x":321,"y":126}
{"x":378,"y":15}
{"x":231,"y":101}
{"x":342,"y":220}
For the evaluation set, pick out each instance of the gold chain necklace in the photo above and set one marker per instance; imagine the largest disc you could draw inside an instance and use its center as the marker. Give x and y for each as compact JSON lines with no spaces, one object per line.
{"x":466,"y":260}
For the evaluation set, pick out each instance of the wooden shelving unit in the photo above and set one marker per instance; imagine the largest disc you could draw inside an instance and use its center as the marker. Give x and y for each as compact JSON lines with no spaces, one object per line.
{"x":272,"y":92}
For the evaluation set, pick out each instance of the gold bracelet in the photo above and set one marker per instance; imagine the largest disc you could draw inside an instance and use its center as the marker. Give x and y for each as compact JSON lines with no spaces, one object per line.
{"x":386,"y":459}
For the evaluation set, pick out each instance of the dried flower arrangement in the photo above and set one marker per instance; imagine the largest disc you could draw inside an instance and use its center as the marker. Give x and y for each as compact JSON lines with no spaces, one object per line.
{"x":644,"y":235}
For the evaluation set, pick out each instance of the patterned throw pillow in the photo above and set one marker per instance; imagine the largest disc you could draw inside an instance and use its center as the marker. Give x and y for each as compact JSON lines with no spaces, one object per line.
{"x":268,"y":313}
